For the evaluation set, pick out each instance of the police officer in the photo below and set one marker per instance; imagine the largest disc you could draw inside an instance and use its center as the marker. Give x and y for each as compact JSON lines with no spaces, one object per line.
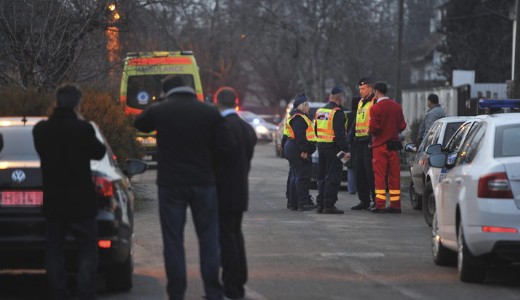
{"x":386,"y":123}
{"x":298,"y":150}
{"x":286,"y":132}
{"x":362,"y":146}
{"x":330,"y":123}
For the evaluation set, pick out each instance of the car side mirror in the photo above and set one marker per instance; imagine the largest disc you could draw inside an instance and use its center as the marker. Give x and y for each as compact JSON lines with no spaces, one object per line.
{"x":438,"y":160}
{"x":434,"y":149}
{"x":134,"y":167}
{"x":411,"y":147}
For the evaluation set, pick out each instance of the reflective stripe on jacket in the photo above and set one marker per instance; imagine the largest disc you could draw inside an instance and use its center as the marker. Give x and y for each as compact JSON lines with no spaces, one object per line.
{"x":324,"y":125}
{"x":309,"y":132}
{"x":363,"y":118}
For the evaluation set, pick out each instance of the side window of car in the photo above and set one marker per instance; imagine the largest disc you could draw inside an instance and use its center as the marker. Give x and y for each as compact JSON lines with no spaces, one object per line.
{"x":456,"y":140}
{"x":471,"y":144}
{"x":430,"y":136}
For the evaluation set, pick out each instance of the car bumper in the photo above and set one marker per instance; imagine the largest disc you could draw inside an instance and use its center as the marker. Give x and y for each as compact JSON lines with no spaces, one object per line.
{"x":501,"y":213}
{"x":26,"y":249}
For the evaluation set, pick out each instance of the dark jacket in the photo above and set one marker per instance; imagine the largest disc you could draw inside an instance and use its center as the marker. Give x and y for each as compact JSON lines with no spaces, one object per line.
{"x":299,"y":143}
{"x":66,"y":145}
{"x":233,"y":169}
{"x":338,"y":125}
{"x":190,"y":136}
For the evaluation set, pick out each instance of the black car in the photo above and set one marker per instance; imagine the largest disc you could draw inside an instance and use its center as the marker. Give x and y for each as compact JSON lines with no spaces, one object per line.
{"x":22,"y":226}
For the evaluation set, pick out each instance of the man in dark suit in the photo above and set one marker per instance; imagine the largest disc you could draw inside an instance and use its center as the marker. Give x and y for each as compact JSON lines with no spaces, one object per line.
{"x":66,"y":143}
{"x":191,"y":138}
{"x":232,"y":188}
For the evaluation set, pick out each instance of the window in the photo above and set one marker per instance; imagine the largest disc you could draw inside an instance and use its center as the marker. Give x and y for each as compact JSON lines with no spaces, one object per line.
{"x":455,"y":143}
{"x":507,"y":141}
{"x":471,"y":144}
{"x":451,"y":128}
{"x":18,"y":144}
{"x":143,"y":90}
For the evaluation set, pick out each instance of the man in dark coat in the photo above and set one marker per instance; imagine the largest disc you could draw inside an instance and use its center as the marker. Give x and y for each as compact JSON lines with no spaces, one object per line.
{"x":191,"y":136}
{"x":233,"y":193}
{"x":66,"y":143}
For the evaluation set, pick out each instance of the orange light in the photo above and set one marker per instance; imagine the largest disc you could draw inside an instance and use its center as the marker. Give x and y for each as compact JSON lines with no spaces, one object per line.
{"x":495,"y":229}
{"x":105,"y":244}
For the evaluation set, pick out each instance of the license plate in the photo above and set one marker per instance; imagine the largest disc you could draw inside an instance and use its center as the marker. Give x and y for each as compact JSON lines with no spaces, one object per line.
{"x":22,"y":198}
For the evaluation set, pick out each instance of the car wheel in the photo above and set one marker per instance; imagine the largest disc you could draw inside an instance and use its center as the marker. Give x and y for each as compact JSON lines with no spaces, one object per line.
{"x":428,"y":204}
{"x":119,"y":276}
{"x":442,"y":256}
{"x":415,"y":199}
{"x":471,"y":268}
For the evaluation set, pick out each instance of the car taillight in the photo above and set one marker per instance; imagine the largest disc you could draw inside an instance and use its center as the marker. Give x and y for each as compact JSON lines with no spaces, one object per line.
{"x":494,"y":185}
{"x":104,"y":186}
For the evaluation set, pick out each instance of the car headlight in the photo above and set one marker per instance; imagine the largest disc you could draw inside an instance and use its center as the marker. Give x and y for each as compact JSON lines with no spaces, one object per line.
{"x":261,"y":129}
{"x":146,"y":141}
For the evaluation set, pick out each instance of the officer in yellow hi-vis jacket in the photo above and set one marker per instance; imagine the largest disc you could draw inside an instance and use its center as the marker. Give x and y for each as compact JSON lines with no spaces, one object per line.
{"x":361,"y":143}
{"x":330,"y":125}
{"x":298,"y":149}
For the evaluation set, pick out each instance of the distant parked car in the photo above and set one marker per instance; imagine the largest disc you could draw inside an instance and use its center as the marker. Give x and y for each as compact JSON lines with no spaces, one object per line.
{"x":477,"y":221}
{"x":22,"y":225}
{"x":265,"y":131}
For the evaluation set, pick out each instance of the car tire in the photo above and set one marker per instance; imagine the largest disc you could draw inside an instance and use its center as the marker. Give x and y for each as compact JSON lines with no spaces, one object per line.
{"x":415,"y":199}
{"x":442,"y":256}
{"x":119,"y":276}
{"x":470,"y":268}
{"x":428,"y":204}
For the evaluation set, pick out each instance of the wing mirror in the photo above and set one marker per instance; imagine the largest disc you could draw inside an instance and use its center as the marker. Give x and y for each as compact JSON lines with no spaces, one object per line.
{"x":434,"y":149}
{"x":438,"y":160}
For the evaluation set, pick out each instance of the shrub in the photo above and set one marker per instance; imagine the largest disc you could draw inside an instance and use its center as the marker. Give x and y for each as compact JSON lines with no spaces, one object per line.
{"x":98,"y":106}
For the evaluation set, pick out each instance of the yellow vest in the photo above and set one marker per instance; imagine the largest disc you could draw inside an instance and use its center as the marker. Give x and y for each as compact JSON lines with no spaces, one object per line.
{"x":286,"y":124}
{"x":363,"y":118}
{"x":324,"y":125}
{"x":309,"y":133}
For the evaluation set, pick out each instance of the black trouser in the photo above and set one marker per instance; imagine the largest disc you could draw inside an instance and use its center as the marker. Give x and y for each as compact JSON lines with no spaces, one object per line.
{"x":233,"y":254}
{"x":85,"y":233}
{"x":299,"y":173}
{"x":364,"y":173}
{"x":299,"y":182}
{"x":329,"y":177}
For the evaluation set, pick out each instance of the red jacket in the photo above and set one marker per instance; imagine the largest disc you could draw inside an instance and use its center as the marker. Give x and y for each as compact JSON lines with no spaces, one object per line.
{"x":386,"y":121}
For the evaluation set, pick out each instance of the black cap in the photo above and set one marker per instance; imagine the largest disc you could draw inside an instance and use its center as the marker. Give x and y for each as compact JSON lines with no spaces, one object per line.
{"x":365,"y":80}
{"x":337,"y":90}
{"x":381,"y":87}
{"x":299,"y":99}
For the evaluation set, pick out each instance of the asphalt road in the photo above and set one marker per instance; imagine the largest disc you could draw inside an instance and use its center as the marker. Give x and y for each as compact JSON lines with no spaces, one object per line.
{"x":303,"y":255}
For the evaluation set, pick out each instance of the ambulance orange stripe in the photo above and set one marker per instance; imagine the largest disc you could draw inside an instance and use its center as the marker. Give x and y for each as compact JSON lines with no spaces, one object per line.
{"x":143,"y":61}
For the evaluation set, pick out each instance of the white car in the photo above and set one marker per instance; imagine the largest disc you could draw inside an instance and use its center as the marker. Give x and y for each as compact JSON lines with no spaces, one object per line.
{"x":477,"y":221}
{"x":423,"y":178}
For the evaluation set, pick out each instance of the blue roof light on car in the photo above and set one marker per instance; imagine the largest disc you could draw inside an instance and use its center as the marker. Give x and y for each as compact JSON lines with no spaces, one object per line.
{"x":505,"y":104}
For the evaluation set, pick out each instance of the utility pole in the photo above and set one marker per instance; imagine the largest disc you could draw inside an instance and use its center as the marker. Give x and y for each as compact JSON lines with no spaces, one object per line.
{"x":399,"y":52}
{"x":516,"y":54}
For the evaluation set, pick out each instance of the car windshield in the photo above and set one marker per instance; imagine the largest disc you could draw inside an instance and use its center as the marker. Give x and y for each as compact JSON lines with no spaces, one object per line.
{"x":18,"y":144}
{"x":507,"y":141}
{"x":143,"y":90}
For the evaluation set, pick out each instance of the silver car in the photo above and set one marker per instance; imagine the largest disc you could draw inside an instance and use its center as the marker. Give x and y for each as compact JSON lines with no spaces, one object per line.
{"x":477,"y":220}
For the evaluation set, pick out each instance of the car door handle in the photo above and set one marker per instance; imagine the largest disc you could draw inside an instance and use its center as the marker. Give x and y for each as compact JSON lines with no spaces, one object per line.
{"x":446,"y":181}
{"x":459,"y":181}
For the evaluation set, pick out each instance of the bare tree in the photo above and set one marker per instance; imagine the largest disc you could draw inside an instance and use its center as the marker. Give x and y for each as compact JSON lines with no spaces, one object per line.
{"x":42,"y":39}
